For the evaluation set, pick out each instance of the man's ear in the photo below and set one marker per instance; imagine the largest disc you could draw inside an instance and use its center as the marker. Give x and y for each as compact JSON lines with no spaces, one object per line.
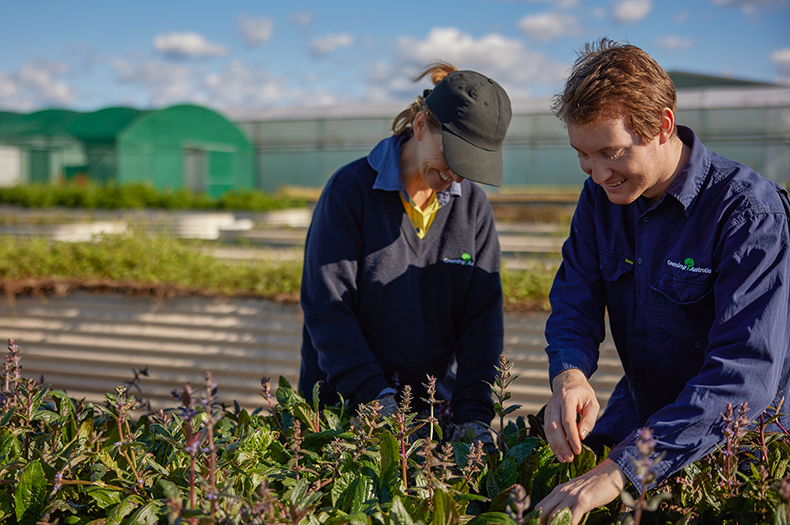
{"x":667,"y":125}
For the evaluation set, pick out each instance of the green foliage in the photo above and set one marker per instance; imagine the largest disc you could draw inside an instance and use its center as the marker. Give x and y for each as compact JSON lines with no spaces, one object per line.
{"x":64,"y":460}
{"x":139,"y":195}
{"x":528,"y":289}
{"x":145,"y":260}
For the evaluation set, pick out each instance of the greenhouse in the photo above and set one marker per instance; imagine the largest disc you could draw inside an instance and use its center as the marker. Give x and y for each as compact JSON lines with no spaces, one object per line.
{"x":746,"y":121}
{"x":180,"y":146}
{"x":268,"y":149}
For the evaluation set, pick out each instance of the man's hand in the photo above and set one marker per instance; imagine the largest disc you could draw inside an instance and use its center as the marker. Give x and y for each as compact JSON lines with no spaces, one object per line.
{"x":572,"y":395}
{"x":589,"y":491}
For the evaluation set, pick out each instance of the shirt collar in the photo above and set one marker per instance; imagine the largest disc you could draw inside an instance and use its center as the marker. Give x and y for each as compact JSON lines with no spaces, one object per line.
{"x":691,"y":178}
{"x":385,"y":159}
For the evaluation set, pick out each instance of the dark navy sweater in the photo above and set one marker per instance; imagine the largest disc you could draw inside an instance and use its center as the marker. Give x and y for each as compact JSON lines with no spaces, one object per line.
{"x":380,"y":302}
{"x":696,"y":290}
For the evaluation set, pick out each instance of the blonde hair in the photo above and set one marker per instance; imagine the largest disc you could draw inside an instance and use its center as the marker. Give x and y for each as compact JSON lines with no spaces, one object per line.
{"x":611,"y":79}
{"x":403,"y":122}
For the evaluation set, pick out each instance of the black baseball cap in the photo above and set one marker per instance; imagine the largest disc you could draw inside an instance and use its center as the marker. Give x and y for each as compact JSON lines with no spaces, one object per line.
{"x":475,"y":113}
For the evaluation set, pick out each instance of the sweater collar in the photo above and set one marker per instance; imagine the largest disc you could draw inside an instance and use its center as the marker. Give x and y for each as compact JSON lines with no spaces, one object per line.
{"x":385,"y":159}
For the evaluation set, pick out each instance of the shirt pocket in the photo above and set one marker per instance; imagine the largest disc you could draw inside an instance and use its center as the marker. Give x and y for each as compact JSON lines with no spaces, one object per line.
{"x":617,"y":273}
{"x":684,"y":314}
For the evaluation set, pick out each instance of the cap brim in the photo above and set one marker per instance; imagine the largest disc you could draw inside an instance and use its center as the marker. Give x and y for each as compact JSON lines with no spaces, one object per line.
{"x":470,"y":162}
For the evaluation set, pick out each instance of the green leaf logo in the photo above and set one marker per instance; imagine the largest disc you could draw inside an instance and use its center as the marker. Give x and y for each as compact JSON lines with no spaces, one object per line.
{"x":467,"y":258}
{"x":689,"y":263}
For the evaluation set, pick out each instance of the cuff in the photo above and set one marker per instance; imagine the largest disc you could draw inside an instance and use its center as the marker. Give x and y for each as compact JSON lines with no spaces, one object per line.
{"x":626,"y":455}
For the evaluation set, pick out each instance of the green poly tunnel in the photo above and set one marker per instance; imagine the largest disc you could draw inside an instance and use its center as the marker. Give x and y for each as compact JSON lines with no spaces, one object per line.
{"x":180,"y":146}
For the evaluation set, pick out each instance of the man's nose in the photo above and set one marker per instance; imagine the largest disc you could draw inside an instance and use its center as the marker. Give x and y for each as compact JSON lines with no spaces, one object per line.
{"x":599,"y":172}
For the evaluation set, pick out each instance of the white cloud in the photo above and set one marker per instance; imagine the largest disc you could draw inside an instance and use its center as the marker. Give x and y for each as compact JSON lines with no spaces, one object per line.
{"x":238,"y":86}
{"x":256,"y":31}
{"x":781,"y":57}
{"x":549,"y":26}
{"x":36,"y":85}
{"x":164,"y":83}
{"x":674,"y":43}
{"x":681,"y":17}
{"x":561,"y":4}
{"x":507,"y":61}
{"x":187,"y":45}
{"x":750,"y":7}
{"x":302,"y":18}
{"x":328,"y":44}
{"x":631,"y":11}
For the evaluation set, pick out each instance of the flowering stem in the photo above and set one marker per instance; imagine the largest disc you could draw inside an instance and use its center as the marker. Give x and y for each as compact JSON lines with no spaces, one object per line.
{"x":640,"y":504}
{"x":403,"y":460}
{"x":763,"y":446}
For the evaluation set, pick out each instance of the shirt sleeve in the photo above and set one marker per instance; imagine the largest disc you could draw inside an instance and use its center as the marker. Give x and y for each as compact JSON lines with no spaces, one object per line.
{"x":329,"y":298}
{"x":481,"y":330}
{"x":575,"y":328}
{"x":746,"y":352}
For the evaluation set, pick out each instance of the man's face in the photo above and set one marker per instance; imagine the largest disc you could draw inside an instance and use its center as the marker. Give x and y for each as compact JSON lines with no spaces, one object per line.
{"x":620,"y":161}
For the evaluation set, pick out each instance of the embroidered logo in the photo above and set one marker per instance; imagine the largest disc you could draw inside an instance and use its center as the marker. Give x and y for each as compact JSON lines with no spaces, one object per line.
{"x":688,"y":266}
{"x":465,"y":260}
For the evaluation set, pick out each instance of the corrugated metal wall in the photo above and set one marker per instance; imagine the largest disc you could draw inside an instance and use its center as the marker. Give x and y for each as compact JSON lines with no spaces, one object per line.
{"x":88,"y":344}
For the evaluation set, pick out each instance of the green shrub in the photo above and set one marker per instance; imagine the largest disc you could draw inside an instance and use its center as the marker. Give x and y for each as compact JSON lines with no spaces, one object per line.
{"x":146,"y":259}
{"x":139,"y":195}
{"x":65,"y":460}
{"x":528,"y":288}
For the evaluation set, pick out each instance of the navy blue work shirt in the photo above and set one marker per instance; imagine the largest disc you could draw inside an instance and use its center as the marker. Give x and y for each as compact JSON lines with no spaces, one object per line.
{"x":696,"y":290}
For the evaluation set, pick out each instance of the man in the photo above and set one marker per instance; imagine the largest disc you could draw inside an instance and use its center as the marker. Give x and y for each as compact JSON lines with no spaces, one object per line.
{"x":688,"y":253}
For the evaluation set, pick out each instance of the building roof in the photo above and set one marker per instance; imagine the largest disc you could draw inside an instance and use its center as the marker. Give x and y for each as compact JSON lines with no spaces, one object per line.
{"x":5,"y":116}
{"x":103,"y":125}
{"x":684,"y":80}
{"x":46,"y":122}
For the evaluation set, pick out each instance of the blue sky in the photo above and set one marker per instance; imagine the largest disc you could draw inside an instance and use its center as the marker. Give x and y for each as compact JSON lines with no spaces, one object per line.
{"x":90,"y":54}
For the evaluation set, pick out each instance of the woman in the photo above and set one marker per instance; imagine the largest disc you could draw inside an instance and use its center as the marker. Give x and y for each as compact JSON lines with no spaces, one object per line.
{"x":401,"y":272}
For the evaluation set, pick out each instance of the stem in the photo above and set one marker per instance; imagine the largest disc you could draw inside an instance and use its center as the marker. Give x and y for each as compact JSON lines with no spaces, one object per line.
{"x":431,"y":423}
{"x":762,"y":442}
{"x":27,"y":422}
{"x":212,"y":468}
{"x":192,"y":502}
{"x":639,"y":505}
{"x":274,"y":415}
{"x":133,"y":460}
{"x":727,"y":467}
{"x":121,"y":422}
{"x":403,"y":460}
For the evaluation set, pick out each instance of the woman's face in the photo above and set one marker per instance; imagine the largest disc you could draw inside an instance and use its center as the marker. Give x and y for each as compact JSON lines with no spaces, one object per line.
{"x":432,"y":166}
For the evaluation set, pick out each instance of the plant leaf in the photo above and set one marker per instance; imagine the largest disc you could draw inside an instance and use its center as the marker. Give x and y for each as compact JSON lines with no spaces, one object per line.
{"x":398,"y":514}
{"x":104,"y":497}
{"x":445,"y":510}
{"x":147,"y":515}
{"x":30,"y":494}
{"x":121,"y":510}
{"x":492,"y":518}
{"x":563,"y":517}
